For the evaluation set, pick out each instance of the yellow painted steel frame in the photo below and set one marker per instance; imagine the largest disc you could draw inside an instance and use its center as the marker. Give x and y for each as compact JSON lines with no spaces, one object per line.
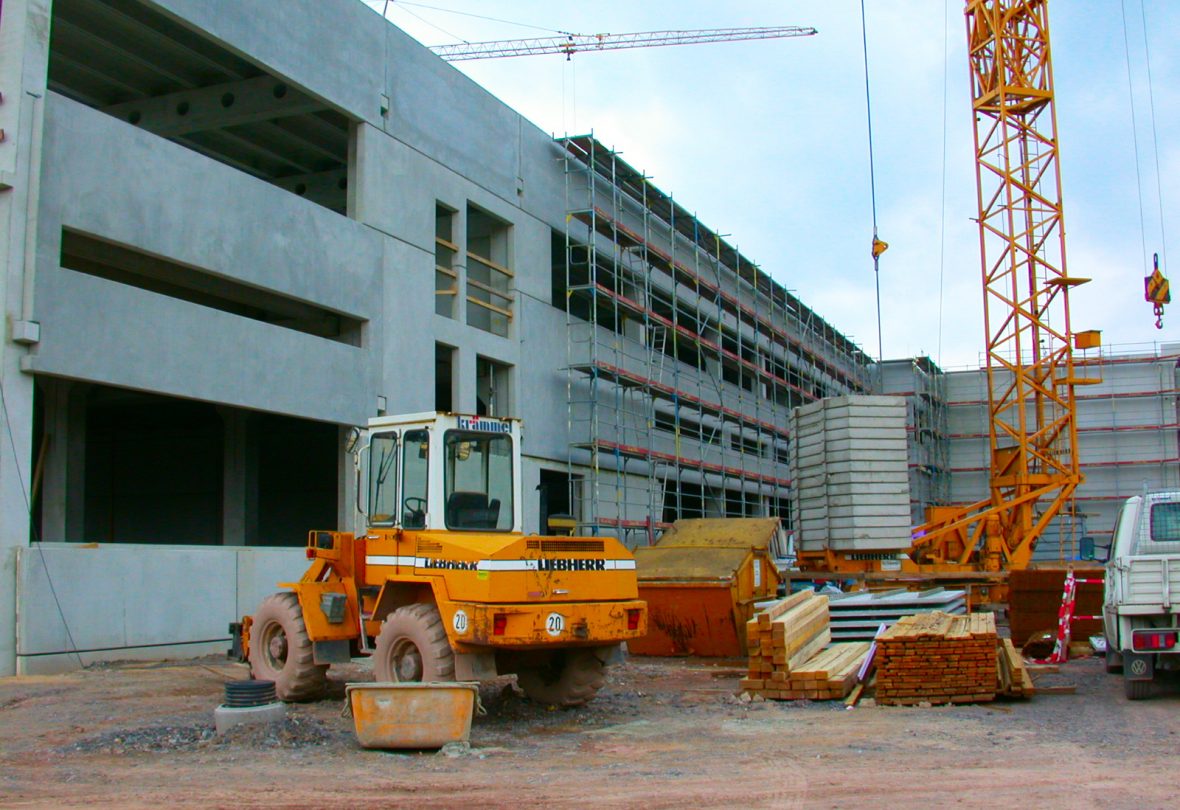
{"x":1030,"y":369}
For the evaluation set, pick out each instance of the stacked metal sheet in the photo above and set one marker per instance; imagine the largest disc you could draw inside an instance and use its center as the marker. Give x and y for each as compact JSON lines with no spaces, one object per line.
{"x":856,"y":616}
{"x":849,"y":462}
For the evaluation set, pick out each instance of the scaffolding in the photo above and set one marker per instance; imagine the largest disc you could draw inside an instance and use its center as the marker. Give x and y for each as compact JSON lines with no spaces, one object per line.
{"x":683,"y":359}
{"x":1128,"y":440}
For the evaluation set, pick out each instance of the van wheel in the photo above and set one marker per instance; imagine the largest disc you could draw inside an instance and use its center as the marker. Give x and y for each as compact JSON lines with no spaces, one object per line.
{"x":1137,"y":690}
{"x":412,"y":647}
{"x":281,"y":651}
{"x":1114,"y":661}
{"x":568,"y":678}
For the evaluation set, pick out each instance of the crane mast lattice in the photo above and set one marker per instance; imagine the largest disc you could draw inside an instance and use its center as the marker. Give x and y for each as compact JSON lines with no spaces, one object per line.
{"x":1030,"y":365}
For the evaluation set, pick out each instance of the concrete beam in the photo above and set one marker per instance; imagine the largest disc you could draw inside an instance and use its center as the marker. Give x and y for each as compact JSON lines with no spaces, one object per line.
{"x":217,"y":107}
{"x":329,"y":188}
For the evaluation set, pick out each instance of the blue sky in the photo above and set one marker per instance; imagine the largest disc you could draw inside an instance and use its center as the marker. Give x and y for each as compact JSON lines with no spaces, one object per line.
{"x":767,"y":142}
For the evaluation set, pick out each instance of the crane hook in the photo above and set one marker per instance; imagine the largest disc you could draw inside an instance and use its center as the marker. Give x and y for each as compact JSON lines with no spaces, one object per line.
{"x":1156,"y":292}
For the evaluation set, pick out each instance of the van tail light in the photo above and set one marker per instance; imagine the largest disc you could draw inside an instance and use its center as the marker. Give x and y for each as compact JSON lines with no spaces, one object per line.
{"x":499,"y":624}
{"x":633,"y":618}
{"x":1154,"y":639}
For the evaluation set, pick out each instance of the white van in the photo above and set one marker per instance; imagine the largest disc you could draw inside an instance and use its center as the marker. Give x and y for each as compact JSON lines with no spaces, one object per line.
{"x":1143,"y":591}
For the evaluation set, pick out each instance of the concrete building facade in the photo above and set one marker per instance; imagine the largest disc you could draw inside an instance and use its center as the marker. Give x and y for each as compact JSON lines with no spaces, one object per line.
{"x":235,"y":229}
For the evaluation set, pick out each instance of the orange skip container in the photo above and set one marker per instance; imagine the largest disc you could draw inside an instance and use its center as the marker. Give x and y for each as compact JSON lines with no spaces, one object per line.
{"x":411,"y":715}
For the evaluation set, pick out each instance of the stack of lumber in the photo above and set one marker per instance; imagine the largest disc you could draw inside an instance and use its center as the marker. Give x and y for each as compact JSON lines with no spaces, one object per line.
{"x":1012,"y":676}
{"x":937,"y":658}
{"x":789,"y":654}
{"x":831,"y":675}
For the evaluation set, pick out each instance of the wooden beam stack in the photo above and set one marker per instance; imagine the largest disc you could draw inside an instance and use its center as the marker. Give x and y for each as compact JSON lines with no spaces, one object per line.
{"x":937,"y":658}
{"x":787,"y":632}
{"x":788,"y":659}
{"x":1013,"y":677}
{"x":830,"y":675}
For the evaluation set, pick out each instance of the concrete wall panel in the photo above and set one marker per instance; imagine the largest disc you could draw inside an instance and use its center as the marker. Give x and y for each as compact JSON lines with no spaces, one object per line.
{"x":120,"y":183}
{"x":448,"y":117}
{"x":118,"y":600}
{"x":105,"y":332}
{"x":260,"y":570}
{"x":408,"y":347}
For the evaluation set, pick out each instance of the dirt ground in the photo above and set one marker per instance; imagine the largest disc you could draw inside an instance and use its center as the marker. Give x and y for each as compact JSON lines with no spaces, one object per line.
{"x":663,"y":733}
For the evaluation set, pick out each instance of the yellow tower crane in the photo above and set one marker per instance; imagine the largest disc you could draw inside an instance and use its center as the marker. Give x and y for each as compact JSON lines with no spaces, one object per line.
{"x":1031,"y":374}
{"x":1030,"y":364}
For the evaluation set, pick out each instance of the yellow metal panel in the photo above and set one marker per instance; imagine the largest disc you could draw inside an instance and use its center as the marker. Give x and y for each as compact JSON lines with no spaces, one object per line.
{"x":656,"y":563}
{"x":726,"y":532}
{"x":318,"y":627}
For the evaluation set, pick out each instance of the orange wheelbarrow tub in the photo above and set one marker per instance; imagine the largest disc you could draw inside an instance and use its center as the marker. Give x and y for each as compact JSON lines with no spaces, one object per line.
{"x":411,"y":715}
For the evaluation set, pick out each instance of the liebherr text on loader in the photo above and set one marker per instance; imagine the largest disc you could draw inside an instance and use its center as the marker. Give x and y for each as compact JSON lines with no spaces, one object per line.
{"x":443,"y":585}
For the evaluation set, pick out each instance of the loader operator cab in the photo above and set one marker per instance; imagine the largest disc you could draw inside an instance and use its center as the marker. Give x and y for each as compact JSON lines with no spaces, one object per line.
{"x":441,"y":471}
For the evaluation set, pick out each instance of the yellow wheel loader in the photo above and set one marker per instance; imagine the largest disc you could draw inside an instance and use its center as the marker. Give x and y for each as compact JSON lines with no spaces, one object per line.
{"x":443,"y":585}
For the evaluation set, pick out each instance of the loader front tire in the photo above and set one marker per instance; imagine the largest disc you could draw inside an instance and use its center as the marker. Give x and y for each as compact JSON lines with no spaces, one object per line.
{"x":281,"y":651}
{"x":568,"y":678}
{"x":412,"y":647}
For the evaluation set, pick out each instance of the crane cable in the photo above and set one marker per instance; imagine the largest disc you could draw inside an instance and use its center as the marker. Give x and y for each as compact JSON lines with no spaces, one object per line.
{"x":1134,"y":135}
{"x":879,"y":247}
{"x":1155,"y":284}
{"x":403,"y":3}
{"x":942,"y":204}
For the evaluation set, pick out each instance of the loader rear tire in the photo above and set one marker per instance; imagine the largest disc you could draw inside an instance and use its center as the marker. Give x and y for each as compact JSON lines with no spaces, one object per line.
{"x":281,"y":651}
{"x":569,"y":678}
{"x":412,"y":647}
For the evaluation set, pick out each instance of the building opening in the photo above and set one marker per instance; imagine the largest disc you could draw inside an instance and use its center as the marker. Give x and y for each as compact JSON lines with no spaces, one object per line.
{"x":121,"y":466}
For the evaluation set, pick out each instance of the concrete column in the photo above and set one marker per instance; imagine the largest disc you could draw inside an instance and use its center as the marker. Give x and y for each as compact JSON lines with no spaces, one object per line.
{"x":239,"y":501}
{"x":24,"y":56}
{"x":63,"y":482}
{"x":465,"y":381}
{"x":347,"y":516}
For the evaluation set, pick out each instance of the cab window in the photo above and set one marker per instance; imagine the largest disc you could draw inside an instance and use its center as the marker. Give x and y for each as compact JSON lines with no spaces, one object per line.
{"x":383,"y":479}
{"x":1165,"y":522}
{"x":415,"y":461}
{"x":478,"y":480}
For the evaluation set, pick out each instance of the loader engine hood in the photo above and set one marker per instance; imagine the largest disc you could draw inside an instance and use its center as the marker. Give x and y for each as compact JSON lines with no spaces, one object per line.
{"x":519,"y":568}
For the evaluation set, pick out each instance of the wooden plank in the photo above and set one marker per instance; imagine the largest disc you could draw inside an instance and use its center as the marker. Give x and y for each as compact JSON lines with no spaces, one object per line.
{"x":773,"y":611}
{"x":810,"y":649}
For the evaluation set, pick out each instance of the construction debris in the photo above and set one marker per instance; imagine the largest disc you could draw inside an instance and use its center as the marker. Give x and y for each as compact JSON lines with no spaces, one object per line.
{"x":937,"y":658}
